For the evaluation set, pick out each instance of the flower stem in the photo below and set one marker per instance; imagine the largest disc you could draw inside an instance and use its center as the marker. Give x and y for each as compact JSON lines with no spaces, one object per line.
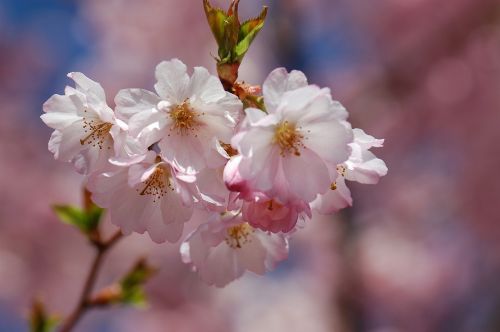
{"x":84,"y":303}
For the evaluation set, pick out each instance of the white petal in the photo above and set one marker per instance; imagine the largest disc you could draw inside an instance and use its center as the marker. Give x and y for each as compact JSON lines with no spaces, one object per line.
{"x":329,"y":139}
{"x":369,"y":171}
{"x":60,"y":104}
{"x":221,"y":266}
{"x":70,"y":144}
{"x":228,"y":109}
{"x":172,"y":81}
{"x":211,"y":188}
{"x":277,"y":83}
{"x":205,"y":87}
{"x":294,"y":102}
{"x":55,"y":142}
{"x":93,"y":90}
{"x":276,"y":247}
{"x":127,"y":207}
{"x":333,"y":200}
{"x":184,"y":152}
{"x":140,"y":173}
{"x":59,"y":120}
{"x":173,"y":209}
{"x":307,"y":175}
{"x":131,"y":101}
{"x":254,"y":115}
{"x":366,"y":141}
{"x":252,"y":256}
{"x":160,"y":232}
{"x":217,"y":127}
{"x":94,"y":158}
{"x":106,"y":183}
{"x":148,"y":126}
{"x":193,"y":249}
{"x":256,"y":141}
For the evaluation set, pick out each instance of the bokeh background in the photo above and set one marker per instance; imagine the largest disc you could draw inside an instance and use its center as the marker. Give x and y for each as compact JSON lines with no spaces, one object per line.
{"x":418,"y":252}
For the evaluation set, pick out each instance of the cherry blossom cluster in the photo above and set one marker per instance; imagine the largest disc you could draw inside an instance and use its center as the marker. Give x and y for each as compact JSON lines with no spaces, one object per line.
{"x":190,"y":152}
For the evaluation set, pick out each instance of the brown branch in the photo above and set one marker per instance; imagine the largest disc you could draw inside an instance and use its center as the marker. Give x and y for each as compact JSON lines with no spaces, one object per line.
{"x":84,"y":303}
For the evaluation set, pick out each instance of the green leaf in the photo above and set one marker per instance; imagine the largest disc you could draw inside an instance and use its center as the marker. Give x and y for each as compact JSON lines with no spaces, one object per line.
{"x":94,"y":215}
{"x":248,"y":32}
{"x":40,"y":321}
{"x":132,"y":284}
{"x":231,"y":31}
{"x":86,"y":221}
{"x":216,"y":18}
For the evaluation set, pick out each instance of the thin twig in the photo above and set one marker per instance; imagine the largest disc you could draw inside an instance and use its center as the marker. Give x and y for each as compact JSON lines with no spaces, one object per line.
{"x":83,"y":303}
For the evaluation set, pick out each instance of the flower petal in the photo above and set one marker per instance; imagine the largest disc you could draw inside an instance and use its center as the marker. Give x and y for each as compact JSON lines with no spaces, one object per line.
{"x":306,"y":186}
{"x":132,"y":101}
{"x":277,"y":83}
{"x":205,"y":87}
{"x":172,"y":81}
{"x":329,"y":139}
{"x":333,"y":200}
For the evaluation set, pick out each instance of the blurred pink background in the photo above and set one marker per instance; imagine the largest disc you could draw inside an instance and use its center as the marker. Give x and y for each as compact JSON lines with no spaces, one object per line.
{"x":419,"y":252}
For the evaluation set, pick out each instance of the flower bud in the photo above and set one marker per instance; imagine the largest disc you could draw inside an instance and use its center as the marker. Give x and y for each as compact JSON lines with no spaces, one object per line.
{"x":233,"y":38}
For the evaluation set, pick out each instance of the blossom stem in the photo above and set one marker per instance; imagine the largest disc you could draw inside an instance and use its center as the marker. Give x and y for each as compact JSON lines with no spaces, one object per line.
{"x":84,"y":303}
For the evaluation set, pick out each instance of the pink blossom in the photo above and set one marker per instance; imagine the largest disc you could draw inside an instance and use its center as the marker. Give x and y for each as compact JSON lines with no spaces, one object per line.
{"x":286,"y":153}
{"x":362,"y":166}
{"x":271,"y":216}
{"x":85,"y":126}
{"x":149,"y":195}
{"x":188,"y":118}
{"x":260,"y":210}
{"x":226,"y":246}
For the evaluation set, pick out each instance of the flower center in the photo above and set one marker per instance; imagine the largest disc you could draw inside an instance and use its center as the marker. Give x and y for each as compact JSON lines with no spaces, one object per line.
{"x":288,"y":138}
{"x":184,"y":117}
{"x":97,"y":132}
{"x":238,"y":235}
{"x":158,"y":184}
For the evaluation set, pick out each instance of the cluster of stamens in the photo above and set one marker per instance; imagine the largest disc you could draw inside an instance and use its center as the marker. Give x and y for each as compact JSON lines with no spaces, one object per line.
{"x":96,"y":131}
{"x":158,"y":184}
{"x":289,"y":139}
{"x":185,"y":118}
{"x":238,"y":235}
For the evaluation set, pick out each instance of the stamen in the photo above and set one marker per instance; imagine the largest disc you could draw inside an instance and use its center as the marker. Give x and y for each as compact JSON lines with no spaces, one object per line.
{"x":333,"y":186}
{"x":229,"y":149}
{"x":97,"y":132}
{"x":342,"y":170}
{"x":239,"y":235}
{"x":185,"y":118}
{"x":288,"y":138}
{"x":158,"y":184}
